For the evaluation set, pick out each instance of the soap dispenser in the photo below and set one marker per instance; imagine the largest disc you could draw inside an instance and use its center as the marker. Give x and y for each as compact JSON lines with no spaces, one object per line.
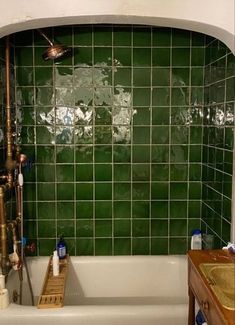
{"x":61,"y":248}
{"x":196,"y":240}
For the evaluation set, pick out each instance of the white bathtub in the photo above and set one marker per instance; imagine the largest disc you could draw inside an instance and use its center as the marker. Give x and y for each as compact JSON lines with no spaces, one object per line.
{"x":112,"y":290}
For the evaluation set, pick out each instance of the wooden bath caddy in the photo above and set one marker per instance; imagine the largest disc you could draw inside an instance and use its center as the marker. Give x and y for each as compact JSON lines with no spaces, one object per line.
{"x":52,"y":295}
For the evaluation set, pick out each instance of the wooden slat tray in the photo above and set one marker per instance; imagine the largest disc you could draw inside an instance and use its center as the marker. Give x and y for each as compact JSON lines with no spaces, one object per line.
{"x":52,"y":295}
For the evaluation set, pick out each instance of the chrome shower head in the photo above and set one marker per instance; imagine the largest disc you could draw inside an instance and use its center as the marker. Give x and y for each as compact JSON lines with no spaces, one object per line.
{"x":55,"y":51}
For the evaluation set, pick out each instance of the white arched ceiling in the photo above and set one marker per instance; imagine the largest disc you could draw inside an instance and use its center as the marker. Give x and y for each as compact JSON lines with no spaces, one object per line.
{"x":215,"y":18}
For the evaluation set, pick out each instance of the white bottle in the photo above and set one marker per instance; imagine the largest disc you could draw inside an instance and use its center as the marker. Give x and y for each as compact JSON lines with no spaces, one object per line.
{"x":55,"y":264}
{"x":196,"y":240}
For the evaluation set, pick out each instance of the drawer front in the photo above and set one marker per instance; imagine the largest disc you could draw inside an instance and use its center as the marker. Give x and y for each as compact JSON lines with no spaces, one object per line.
{"x":204,"y":299}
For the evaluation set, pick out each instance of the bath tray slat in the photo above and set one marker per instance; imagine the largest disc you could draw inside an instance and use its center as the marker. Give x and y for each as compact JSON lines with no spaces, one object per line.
{"x":52,"y":295}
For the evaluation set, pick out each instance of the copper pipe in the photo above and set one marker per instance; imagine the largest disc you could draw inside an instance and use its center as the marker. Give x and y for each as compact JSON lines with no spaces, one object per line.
{"x":3,"y":232}
{"x":10,"y":164}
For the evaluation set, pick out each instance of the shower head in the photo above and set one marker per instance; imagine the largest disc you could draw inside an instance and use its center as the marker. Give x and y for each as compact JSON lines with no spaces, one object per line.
{"x":54,"y":51}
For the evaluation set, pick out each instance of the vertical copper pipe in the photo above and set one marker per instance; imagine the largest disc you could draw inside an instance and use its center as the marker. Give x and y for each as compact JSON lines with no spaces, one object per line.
{"x":9,"y":160}
{"x":3,"y":232}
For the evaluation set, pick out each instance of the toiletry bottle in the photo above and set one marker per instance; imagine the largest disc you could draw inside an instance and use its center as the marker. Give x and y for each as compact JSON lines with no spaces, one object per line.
{"x":55,"y":263}
{"x":196,"y":240}
{"x":61,"y":248}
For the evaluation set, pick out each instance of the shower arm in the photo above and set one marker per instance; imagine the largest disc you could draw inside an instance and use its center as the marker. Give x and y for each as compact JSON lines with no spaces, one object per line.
{"x":45,"y":36}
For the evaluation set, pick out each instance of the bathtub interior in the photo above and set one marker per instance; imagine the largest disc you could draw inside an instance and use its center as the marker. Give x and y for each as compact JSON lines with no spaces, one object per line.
{"x":129,"y":280}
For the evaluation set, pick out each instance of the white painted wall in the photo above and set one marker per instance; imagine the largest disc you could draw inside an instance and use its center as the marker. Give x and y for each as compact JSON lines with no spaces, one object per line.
{"x":215,"y":18}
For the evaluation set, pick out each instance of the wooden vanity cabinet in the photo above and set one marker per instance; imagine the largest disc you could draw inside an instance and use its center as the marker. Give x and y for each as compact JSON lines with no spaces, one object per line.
{"x":199,"y":289}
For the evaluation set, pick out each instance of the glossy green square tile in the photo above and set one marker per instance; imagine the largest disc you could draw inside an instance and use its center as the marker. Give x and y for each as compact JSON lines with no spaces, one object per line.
{"x":103,"y":210}
{"x":122,"y":36}
{"x":159,"y":172}
{"x":43,"y":76}
{"x":65,"y":191}
{"x":160,"y":134}
{"x":64,"y":154}
{"x":46,"y":229}
{"x":178,"y":209}
{"x":38,"y":60}
{"x":178,"y":172}
{"x":227,"y":209}
{"x":83,"y":56}
{"x":45,"y":135}
{"x":140,"y":246}
{"x":83,"y":135}
{"x":192,"y":225}
{"x":122,"y":246}
{"x":46,"y":191}
{"x":178,"y":246}
{"x":160,"y":116}
{"x":141,"y":135}
{"x":64,"y":173}
{"x":103,"y":115}
{"x":46,"y":246}
{"x":63,"y":76}
{"x":84,"y":228}
{"x":179,"y":135}
{"x":65,"y":210}
{"x":122,"y":209}
{"x":84,"y":191}
{"x":181,"y":37}
{"x":103,"y":191}
{"x":180,"y":76}
{"x":180,"y":57}
{"x":141,"y":57}
{"x":122,"y":172}
{"x":140,"y":209}
{"x":102,"y":35}
{"x":103,"y":228}
{"x":178,"y":153}
{"x":180,"y":115}
{"x":197,"y":56}
{"x":46,"y":173}
{"x":102,"y":56}
{"x":121,"y":134}
{"x":159,"y":227}
{"x":159,"y":246}
{"x":103,"y":154}
{"x":82,"y":35}
{"x":195,"y":171}
{"x":84,"y":210}
{"x":83,"y":154}
{"x":140,"y":153}
{"x":122,"y":228}
{"x":66,"y":228}
{"x":159,"y":191}
{"x":141,"y":96}
{"x":141,"y":77}
{"x":161,"y":96}
{"x":140,"y":172}
{"x":122,"y":56}
{"x":161,"y":57}
{"x":103,"y":135}
{"x":103,"y":172}
{"x":178,"y":190}
{"x":159,"y":209}
{"x":84,"y":246}
{"x":63,"y":35}
{"x":30,"y":210}
{"x":141,"y":36}
{"x":103,"y":96}
{"x":140,"y":228}
{"x":140,"y":191}
{"x":28,"y":115}
{"x":121,"y":154}
{"x":24,"y":76}
{"x":195,"y":153}
{"x":80,"y":96}
{"x":26,"y":95}
{"x":46,"y":210}
{"x":24,"y":56}
{"x":103,"y":246}
{"x":197,"y":76}
{"x":122,"y":77}
{"x":180,"y":96}
{"x":178,"y":227}
{"x":27,"y":135}
{"x":141,"y":116}
{"x":84,"y":172}
{"x":195,"y":134}
{"x":198,"y":39}
{"x":161,"y":36}
{"x":194,"y":209}
{"x":160,"y":153}
{"x":44,"y":96}
{"x":45,"y":154}
{"x":122,"y":191}
{"x":160,"y":77}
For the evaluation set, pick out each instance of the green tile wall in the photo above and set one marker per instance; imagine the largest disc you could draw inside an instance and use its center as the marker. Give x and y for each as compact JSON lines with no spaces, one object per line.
{"x":2,"y":64}
{"x":116,"y":134}
{"x":218,"y":141}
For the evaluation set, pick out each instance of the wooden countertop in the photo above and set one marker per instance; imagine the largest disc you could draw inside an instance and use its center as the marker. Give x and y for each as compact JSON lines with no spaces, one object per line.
{"x":197,"y":257}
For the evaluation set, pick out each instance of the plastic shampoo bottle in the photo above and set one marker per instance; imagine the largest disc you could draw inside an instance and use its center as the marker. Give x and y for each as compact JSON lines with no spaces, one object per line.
{"x":196,"y":240}
{"x":55,"y":263}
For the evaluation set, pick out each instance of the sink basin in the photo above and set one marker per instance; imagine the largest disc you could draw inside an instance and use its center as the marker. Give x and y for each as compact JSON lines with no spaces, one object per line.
{"x":221,"y":278}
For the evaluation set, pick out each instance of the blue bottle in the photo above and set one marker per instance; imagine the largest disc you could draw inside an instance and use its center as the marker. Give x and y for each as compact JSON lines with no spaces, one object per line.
{"x":61,"y":248}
